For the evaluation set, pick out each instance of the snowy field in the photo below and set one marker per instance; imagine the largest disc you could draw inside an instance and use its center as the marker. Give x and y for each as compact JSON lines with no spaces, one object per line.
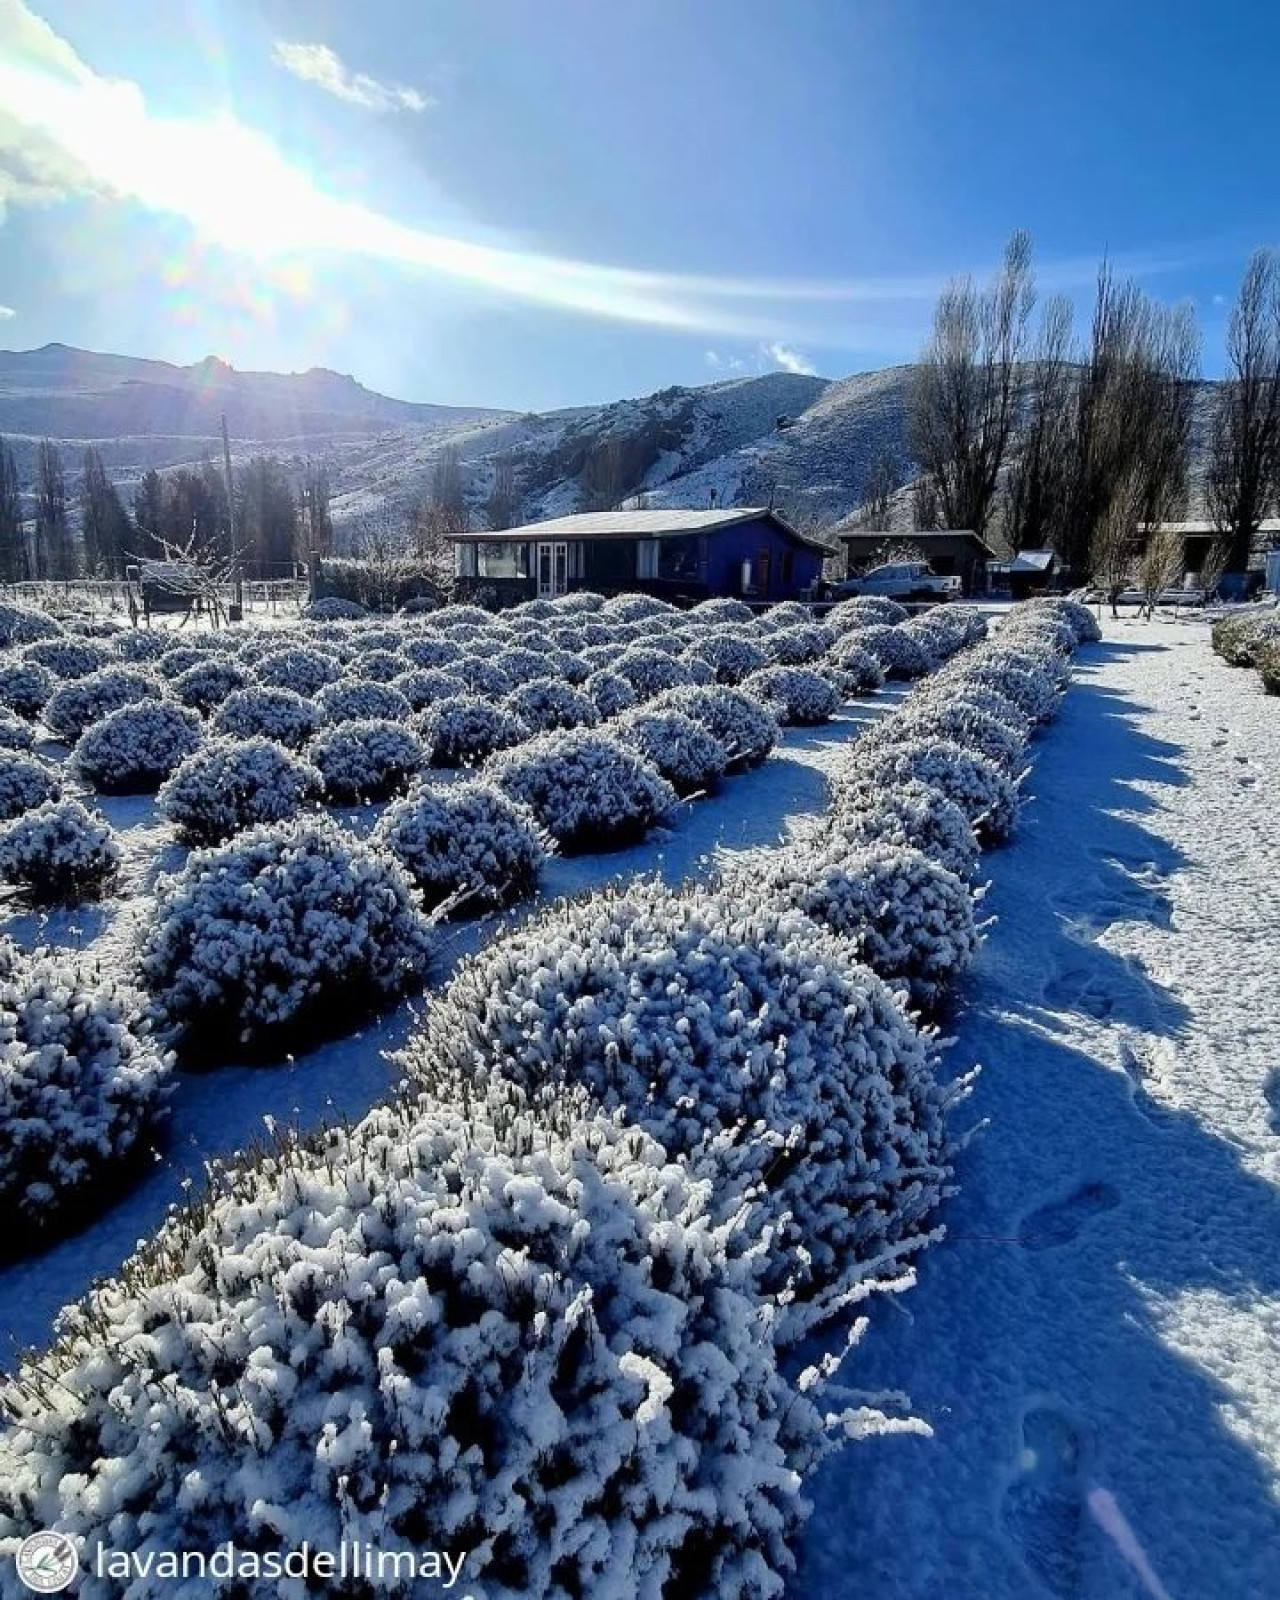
{"x":1097,"y":1343}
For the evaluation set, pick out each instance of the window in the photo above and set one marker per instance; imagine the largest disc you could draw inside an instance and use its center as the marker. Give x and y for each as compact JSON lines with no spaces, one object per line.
{"x":464,"y":561}
{"x":647,"y":558}
{"x":507,"y":559}
{"x":680,"y":559}
{"x":788,"y":567}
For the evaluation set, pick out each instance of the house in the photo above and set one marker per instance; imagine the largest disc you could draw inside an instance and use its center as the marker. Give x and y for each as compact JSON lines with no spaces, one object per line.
{"x":951,"y":552}
{"x":680,"y":555}
{"x":1198,"y":538}
{"x":1027,"y":573}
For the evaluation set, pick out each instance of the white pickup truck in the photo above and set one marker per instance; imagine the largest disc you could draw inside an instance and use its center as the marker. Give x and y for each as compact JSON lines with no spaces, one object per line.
{"x":901,"y":580}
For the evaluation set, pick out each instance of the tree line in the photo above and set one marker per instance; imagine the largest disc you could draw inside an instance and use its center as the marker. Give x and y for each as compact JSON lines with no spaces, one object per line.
{"x":82,"y":528}
{"x":1079,"y":440}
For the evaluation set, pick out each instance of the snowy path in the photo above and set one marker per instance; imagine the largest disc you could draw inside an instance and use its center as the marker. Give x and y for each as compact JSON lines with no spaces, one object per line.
{"x":1097,"y":1345}
{"x":220,"y":1111}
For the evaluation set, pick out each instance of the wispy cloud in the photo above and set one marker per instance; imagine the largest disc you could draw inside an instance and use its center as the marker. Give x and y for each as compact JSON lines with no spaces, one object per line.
{"x":789,"y":359}
{"x":66,"y":129}
{"x":317,"y":64}
{"x":722,"y":363}
{"x":6,"y":312}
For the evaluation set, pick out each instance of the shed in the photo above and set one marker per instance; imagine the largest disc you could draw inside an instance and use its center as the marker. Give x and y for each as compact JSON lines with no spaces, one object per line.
{"x":1027,"y":573}
{"x":680,"y":555}
{"x":951,"y":552}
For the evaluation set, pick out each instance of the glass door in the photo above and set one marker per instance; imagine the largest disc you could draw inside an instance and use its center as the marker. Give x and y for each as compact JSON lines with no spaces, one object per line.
{"x":553,"y":570}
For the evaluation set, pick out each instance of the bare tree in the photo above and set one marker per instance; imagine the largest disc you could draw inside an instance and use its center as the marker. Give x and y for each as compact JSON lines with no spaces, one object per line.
{"x":315,"y":519}
{"x":13,"y":546}
{"x":503,"y":504}
{"x":1163,"y":566}
{"x":55,"y":553}
{"x":1214,"y":566}
{"x":603,"y":482}
{"x":1131,"y":427}
{"x":965,"y":400}
{"x":1036,"y":480}
{"x":104,"y":523}
{"x":1244,"y":448}
{"x":926,"y":514}
{"x":886,"y":475}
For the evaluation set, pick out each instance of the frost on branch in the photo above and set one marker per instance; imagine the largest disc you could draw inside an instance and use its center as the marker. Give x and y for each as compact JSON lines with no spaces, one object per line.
{"x":285,"y":935}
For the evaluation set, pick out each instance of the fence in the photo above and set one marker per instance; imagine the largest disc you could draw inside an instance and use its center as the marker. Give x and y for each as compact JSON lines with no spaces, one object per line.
{"x":116,"y":597}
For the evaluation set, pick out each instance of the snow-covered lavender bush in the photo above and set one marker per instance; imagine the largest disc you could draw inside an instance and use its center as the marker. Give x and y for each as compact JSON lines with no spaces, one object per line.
{"x":502,"y":1330}
{"x":361,"y":700}
{"x":901,"y":656}
{"x":366,"y":760}
{"x":209,"y":682}
{"x":82,"y":1090}
{"x":579,"y":603}
{"x":141,"y":646}
{"x":66,"y":658}
{"x":651,"y":672}
{"x":856,"y":670}
{"x":865,"y":611}
{"x":969,"y":728}
{"x":947,"y":689}
{"x":135,"y":749}
{"x":457,"y":619}
{"x":463,"y":730}
{"x":468,"y":840}
{"x":681,"y":750}
{"x":722,"y":611}
{"x":286,"y":934}
{"x":77,"y":706}
{"x":748,"y":1044}
{"x":15,"y":734}
{"x":906,"y":916}
{"x":332,"y":608}
{"x":378,"y":666}
{"x":637,"y":608}
{"x":731,"y":653}
{"x":432,"y":650}
{"x":521,"y":663}
{"x":569,"y":665}
{"x":423,"y":686}
{"x":25,"y":687}
{"x":232,"y":784}
{"x":1077,"y":616}
{"x":586,"y":788}
{"x":545,"y":704}
{"x":986,"y":795}
{"x":798,"y":643}
{"x":299,"y":668}
{"x":1025,"y":629}
{"x":609,"y":693}
{"x":1033,"y":687}
{"x":796,"y":696}
{"x":59,"y":854}
{"x":1269,"y":665}
{"x":277,"y":714}
{"x":738,"y":721}
{"x":1237,"y":638}
{"x":177,"y":659}
{"x":25,"y":783}
{"x":20,"y":625}
{"x":911,"y":814}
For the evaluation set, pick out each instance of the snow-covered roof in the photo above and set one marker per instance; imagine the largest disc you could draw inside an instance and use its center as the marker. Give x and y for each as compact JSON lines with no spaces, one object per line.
{"x":1204,"y":525}
{"x":664,"y":523}
{"x":1028,"y":561}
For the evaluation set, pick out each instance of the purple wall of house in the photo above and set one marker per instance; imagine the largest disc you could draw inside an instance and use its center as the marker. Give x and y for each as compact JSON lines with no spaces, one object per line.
{"x":749,"y":541}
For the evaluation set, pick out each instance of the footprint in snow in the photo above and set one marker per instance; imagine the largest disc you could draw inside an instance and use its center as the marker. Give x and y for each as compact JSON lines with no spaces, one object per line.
{"x":1061,"y":1221}
{"x":1043,"y":1507}
{"x":1079,"y":990}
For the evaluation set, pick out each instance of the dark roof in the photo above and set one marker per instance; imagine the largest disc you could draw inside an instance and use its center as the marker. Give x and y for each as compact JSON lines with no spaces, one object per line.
{"x":664,"y":523}
{"x":921,"y":537}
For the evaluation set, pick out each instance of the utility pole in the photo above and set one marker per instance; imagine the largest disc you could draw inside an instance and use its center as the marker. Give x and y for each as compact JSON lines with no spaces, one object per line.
{"x":237,"y":589}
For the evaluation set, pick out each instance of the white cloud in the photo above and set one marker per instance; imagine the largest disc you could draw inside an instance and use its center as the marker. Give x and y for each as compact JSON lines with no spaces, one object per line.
{"x":788,"y":358}
{"x":719,"y":363}
{"x":317,"y":64}
{"x":6,"y":312}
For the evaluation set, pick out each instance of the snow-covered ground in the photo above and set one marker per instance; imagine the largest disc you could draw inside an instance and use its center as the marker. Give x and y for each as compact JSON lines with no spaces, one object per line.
{"x":1097,"y":1344}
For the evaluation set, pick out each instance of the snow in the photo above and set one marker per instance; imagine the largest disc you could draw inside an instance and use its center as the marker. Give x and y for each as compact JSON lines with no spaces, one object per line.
{"x":1095,"y":1345}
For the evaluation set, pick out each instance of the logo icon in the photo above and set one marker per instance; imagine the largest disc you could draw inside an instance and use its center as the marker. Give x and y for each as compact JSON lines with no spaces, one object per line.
{"x":47,"y":1562}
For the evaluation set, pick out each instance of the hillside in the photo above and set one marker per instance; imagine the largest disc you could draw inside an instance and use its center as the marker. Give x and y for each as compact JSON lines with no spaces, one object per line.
{"x":807,"y":444}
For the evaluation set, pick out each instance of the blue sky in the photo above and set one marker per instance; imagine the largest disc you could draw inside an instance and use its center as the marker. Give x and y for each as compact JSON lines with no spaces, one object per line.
{"x":530,"y":204}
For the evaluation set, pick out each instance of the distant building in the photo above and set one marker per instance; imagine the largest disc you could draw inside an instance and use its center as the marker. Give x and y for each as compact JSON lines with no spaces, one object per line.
{"x":951,"y":552}
{"x":1029,"y":572}
{"x":684,"y":556}
{"x":1198,"y":537}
